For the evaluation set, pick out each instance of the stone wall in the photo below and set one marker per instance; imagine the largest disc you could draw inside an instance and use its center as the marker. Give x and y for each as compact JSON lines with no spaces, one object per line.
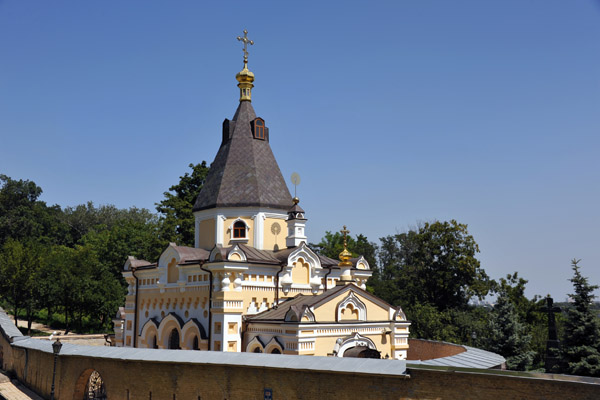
{"x":181,"y":374}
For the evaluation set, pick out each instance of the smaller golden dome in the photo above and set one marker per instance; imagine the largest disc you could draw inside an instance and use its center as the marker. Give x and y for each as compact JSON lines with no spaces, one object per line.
{"x":245,"y":75}
{"x":296,"y":200}
{"x":345,"y":257}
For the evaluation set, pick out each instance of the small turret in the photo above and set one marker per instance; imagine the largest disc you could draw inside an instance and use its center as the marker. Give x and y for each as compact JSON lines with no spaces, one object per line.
{"x":296,"y":224}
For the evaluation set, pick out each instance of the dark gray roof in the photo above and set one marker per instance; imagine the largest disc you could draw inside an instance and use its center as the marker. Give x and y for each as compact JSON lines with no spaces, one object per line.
{"x":471,"y":358}
{"x":244,"y":172}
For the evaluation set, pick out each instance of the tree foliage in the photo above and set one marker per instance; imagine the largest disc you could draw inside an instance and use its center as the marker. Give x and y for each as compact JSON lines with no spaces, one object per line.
{"x":581,"y":343}
{"x":508,"y":334}
{"x":177,"y":219}
{"x":434,"y":264}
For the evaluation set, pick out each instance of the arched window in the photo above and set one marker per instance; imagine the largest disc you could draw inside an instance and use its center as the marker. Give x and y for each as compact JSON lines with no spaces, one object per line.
{"x":239,"y":230}
{"x":258,"y":129}
{"x":257,"y":350}
{"x":275,"y":351}
{"x":195,"y":344}
{"x":174,"y":340}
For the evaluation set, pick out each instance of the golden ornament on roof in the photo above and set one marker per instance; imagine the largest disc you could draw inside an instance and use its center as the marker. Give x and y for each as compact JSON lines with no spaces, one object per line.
{"x":245,"y":77}
{"x":345,"y":255}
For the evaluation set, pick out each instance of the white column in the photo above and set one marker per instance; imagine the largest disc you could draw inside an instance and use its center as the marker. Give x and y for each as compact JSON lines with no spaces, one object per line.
{"x":197,"y":232}
{"x":220,"y":229}
{"x":259,"y":228}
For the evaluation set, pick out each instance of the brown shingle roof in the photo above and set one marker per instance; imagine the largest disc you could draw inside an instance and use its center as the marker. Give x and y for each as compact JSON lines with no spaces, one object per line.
{"x":244,"y":172}
{"x":191,"y":254}
{"x":278,"y":314}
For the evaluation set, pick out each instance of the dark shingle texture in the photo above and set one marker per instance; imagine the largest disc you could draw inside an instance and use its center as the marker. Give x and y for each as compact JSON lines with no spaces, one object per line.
{"x":244,"y":172}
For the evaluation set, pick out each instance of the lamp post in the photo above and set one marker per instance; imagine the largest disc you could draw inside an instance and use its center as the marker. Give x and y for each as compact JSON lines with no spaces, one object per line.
{"x":56,"y":346}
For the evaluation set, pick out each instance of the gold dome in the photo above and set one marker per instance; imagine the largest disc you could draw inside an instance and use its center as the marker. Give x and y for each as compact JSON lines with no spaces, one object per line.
{"x":245,"y":75}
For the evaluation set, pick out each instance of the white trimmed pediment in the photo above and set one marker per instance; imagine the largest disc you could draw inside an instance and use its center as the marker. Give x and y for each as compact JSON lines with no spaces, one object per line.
{"x":236,"y":254}
{"x":274,"y":343}
{"x":399,"y":315}
{"x":168,"y":255}
{"x":254,"y":344}
{"x":362,"y":263}
{"x":304,"y":252}
{"x":349,"y":306}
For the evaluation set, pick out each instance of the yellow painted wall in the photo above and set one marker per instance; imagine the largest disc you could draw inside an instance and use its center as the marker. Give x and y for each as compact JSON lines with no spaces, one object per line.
{"x":207,"y":234}
{"x":272,"y":241}
{"x":172,"y":272}
{"x":327,"y":312}
{"x":301,"y":272}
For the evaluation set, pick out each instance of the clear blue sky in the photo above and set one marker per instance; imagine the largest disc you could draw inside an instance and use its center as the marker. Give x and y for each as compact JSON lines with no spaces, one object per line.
{"x":393,"y":113}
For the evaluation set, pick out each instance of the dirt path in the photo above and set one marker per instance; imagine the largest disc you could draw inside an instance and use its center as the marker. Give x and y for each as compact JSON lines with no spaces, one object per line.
{"x":36,"y":325}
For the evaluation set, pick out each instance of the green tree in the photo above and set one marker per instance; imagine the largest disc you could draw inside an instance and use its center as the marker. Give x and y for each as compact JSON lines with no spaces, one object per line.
{"x":433,"y":264}
{"x":176,"y":208}
{"x":20,"y":263}
{"x":508,"y":335}
{"x":23,"y":216}
{"x":332,"y":244}
{"x":134,"y":233}
{"x":581,"y":342}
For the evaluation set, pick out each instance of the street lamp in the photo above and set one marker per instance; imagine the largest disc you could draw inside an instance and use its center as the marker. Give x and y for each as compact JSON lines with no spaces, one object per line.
{"x":56,"y":346}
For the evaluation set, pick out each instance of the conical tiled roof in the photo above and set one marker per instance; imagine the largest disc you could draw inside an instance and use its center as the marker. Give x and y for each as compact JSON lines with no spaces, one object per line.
{"x":244,"y":172}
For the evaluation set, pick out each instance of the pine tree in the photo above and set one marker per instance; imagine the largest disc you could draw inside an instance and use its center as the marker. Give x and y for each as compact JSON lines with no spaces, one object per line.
{"x":508,"y":335}
{"x":581,"y":344}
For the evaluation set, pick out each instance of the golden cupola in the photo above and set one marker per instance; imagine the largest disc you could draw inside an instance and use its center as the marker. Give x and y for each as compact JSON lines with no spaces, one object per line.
{"x":245,"y":77}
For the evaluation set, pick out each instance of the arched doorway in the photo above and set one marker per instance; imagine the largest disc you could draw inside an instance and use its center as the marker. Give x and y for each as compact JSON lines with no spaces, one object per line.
{"x":362,"y":352}
{"x":174,"y":342}
{"x":90,"y":386}
{"x":94,"y":388}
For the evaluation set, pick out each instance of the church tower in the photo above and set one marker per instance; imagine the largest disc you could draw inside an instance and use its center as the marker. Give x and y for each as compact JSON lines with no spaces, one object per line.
{"x":245,"y":198}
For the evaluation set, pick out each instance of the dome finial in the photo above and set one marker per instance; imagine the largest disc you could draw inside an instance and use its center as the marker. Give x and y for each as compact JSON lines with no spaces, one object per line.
{"x":245,"y":77}
{"x":345,"y":255}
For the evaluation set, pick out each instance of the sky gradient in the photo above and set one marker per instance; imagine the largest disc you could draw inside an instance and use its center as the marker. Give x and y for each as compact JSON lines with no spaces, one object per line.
{"x":393,"y":113}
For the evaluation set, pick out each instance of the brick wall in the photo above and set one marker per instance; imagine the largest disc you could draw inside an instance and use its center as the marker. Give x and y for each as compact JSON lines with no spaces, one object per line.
{"x":129,"y":378}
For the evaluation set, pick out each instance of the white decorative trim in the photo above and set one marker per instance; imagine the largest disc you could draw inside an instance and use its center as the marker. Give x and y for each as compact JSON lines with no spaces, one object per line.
{"x":342,"y":345}
{"x":273,"y":344}
{"x":236,"y":250}
{"x":164,"y":336}
{"x":246,"y":231}
{"x":399,"y":315}
{"x":188,"y":327}
{"x":149,"y":325}
{"x":253,"y":344}
{"x":357,"y":305}
{"x":363,"y":261}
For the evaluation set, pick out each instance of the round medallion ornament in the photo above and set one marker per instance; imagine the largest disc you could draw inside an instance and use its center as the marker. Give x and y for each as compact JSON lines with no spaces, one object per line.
{"x":276,"y":228}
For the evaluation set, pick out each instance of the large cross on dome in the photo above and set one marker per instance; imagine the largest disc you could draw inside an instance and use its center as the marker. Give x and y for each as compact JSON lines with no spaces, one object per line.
{"x":245,"y":40}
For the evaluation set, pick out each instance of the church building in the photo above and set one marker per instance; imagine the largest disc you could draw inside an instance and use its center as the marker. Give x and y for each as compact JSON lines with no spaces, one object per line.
{"x":251,"y":283}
